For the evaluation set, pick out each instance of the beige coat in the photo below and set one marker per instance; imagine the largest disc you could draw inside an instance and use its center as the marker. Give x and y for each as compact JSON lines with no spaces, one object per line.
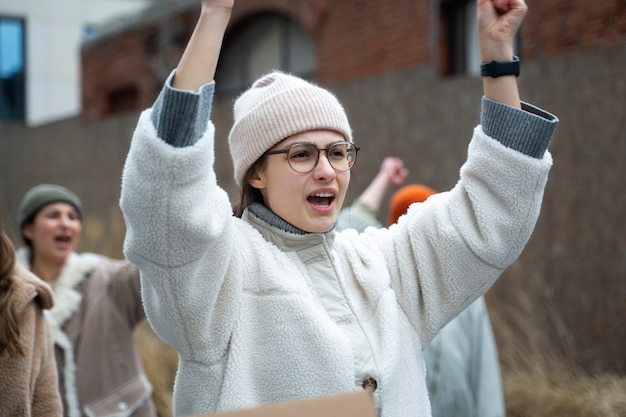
{"x":28,"y":383}
{"x":98,"y":305}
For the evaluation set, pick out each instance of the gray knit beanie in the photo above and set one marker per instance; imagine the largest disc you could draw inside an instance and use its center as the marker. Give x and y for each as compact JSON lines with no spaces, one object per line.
{"x":42,"y":195}
{"x":279,"y":105}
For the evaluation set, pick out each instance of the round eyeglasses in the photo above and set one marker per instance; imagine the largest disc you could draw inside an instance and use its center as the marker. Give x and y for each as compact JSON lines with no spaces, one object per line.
{"x":304,"y":156}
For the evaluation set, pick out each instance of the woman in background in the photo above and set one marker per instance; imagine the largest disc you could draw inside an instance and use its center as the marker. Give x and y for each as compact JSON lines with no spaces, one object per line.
{"x":98,"y":304}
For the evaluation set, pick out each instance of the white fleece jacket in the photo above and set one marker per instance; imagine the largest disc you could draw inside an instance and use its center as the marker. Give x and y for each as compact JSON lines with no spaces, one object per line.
{"x":239,"y":299}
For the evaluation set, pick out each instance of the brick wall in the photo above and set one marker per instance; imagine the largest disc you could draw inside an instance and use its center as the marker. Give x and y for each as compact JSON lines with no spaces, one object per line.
{"x":563,"y":26}
{"x":137,"y":59}
{"x":356,"y":39}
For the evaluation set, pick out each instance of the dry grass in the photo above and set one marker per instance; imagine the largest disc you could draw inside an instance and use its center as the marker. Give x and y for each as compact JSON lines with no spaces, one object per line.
{"x":540,"y":375}
{"x":537,"y":394}
{"x":160,"y":362}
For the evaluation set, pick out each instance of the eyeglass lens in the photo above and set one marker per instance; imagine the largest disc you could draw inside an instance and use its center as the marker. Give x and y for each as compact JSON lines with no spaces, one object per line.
{"x":303,"y":157}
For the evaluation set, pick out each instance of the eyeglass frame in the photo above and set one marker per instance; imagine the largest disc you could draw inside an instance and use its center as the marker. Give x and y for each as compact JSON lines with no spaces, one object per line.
{"x":319,"y":151}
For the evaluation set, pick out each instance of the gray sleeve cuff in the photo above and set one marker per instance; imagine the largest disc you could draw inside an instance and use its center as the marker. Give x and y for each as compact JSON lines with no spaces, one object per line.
{"x":528,"y":130}
{"x":181,"y":117}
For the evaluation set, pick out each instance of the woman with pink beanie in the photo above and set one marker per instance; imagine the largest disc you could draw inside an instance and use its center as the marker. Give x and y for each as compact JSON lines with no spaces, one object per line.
{"x":273,"y":304}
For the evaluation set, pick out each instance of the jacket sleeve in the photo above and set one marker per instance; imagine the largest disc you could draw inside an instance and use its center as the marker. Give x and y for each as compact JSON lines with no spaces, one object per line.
{"x":181,"y":117}
{"x":448,"y":251}
{"x":180,"y":233}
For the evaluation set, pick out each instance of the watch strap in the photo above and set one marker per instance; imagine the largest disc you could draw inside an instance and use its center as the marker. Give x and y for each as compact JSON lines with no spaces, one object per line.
{"x":496,"y":69}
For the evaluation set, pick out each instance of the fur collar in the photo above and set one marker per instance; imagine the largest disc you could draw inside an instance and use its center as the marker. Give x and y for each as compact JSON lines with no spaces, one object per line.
{"x":67,"y":298}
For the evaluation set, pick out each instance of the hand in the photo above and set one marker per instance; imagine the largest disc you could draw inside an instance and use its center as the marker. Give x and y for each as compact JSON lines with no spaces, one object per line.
{"x":393,"y":169}
{"x":498,"y":23}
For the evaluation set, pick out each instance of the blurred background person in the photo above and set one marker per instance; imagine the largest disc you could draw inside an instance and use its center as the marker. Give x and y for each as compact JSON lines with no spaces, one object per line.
{"x":28,"y":373}
{"x":363,"y":211}
{"x":98,"y":305}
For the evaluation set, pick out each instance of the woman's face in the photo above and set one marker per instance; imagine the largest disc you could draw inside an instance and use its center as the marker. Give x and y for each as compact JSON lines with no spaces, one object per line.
{"x":310,"y":201}
{"x":54,"y":232}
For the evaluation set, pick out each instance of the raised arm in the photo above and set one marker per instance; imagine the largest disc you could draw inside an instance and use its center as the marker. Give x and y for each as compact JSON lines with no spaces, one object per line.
{"x":175,"y":212}
{"x":363,"y":212}
{"x":199,"y":61}
{"x":392,"y":173}
{"x":498,"y":23}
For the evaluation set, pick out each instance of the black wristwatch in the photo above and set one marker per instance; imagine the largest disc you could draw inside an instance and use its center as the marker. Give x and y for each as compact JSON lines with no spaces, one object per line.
{"x":496,"y":69}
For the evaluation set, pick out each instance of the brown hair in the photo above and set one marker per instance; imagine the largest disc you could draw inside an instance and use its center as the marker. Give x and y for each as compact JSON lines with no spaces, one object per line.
{"x":249,"y":194}
{"x":9,"y":326}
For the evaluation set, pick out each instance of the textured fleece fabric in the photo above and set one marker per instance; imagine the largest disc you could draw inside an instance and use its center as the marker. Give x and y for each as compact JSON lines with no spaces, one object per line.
{"x":239,"y":298}
{"x":462,"y":367}
{"x":28,"y":382}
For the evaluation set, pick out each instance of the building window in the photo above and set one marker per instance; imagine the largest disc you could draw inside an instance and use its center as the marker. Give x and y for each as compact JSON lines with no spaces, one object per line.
{"x":12,"y":69}
{"x":459,"y":53}
{"x":264,"y":43}
{"x":123,"y":100}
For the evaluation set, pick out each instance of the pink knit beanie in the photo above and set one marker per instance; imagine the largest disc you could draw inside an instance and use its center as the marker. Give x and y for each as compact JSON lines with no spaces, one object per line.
{"x":279,"y":105}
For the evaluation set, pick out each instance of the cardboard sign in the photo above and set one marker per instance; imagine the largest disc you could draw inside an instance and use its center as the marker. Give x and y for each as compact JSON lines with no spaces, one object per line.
{"x":352,"y":404}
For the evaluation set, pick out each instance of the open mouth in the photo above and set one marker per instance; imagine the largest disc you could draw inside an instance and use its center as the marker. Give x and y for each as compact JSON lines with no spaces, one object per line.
{"x":321,"y":199}
{"x":65,"y":240}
